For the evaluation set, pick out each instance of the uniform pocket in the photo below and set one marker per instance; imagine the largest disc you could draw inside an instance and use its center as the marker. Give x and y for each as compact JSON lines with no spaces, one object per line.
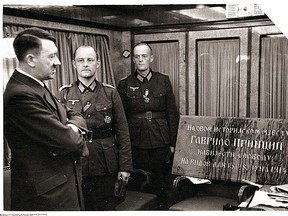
{"x":159,"y":92}
{"x":164,"y":130}
{"x":50,"y":183}
{"x":104,"y":115}
{"x":160,"y":98}
{"x":134,"y":100}
{"x":134,"y":95}
{"x":110,"y":152}
{"x":103,"y":107}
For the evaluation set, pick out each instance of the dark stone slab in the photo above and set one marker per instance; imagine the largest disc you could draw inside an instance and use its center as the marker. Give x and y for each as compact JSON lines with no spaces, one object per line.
{"x":232,"y":149}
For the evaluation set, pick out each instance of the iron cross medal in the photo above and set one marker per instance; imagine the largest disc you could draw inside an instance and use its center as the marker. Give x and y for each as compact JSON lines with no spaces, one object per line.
{"x":145,"y":96}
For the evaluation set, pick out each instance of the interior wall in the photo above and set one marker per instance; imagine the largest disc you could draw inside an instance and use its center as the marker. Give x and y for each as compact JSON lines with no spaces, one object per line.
{"x":118,"y":41}
{"x":122,"y":65}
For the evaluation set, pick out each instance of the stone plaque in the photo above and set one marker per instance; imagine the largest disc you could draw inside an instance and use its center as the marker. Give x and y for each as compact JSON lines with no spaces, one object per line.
{"x":232,"y":149}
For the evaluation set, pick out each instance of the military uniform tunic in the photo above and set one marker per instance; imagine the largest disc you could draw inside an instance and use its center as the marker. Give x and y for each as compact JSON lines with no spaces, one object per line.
{"x":108,"y":141}
{"x":152,"y":94}
{"x":152,"y":116}
{"x":102,"y":108}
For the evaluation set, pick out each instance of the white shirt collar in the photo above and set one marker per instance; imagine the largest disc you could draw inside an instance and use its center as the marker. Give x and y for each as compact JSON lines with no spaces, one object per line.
{"x":26,"y":74}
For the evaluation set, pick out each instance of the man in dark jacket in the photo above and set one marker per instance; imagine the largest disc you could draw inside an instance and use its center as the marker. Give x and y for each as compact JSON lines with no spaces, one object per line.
{"x":109,"y":143}
{"x":45,"y":139}
{"x":152,"y":115}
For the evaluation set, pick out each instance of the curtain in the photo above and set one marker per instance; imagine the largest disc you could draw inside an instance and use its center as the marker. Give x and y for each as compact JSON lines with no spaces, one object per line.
{"x":273,"y":78}
{"x":67,"y":42}
{"x":9,"y":65}
{"x":166,"y":60}
{"x":218,"y":77}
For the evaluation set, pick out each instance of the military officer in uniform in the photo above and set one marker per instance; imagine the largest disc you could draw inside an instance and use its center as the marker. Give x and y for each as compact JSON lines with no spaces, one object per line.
{"x":152,"y":116}
{"x":108,"y":134}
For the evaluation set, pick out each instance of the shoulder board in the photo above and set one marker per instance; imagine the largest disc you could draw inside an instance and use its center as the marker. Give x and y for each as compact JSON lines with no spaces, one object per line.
{"x":124,"y":77}
{"x":107,"y":85}
{"x":163,"y":74}
{"x":65,"y":86}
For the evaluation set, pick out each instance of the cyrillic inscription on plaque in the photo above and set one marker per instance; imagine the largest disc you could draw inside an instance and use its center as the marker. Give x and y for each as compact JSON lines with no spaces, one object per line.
{"x":232,"y":149}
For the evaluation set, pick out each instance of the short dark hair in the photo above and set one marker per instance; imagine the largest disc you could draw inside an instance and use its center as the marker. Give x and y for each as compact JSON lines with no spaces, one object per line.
{"x":143,"y":43}
{"x":28,"y":40}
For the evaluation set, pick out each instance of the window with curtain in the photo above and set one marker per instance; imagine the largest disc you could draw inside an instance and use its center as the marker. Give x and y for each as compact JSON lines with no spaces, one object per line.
{"x":166,"y":60}
{"x":273,"y":77}
{"x":218,"y":76}
{"x":67,"y":42}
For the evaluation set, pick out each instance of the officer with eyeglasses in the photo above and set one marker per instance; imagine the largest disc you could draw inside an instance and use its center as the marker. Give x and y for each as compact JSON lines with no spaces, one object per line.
{"x":108,"y":134}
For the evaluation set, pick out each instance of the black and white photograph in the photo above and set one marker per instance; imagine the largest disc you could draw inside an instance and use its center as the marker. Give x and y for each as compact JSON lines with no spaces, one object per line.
{"x":144,"y":108}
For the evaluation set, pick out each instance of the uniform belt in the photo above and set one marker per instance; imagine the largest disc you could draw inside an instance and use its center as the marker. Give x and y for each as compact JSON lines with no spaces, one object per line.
{"x":98,"y":134}
{"x":149,"y":115}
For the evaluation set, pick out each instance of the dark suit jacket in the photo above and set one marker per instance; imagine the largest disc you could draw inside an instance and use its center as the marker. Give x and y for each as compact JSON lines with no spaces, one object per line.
{"x":44,"y":151}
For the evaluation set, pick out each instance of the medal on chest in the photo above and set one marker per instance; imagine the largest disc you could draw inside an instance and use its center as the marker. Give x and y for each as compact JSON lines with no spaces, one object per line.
{"x":145,"y":96}
{"x":107,"y":119}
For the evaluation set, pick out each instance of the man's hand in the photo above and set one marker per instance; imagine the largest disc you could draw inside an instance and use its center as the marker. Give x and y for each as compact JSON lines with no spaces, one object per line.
{"x":74,"y":128}
{"x":125,"y":176}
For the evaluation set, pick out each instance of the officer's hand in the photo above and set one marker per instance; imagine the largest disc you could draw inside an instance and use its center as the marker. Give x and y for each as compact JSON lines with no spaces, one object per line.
{"x":124,"y":176}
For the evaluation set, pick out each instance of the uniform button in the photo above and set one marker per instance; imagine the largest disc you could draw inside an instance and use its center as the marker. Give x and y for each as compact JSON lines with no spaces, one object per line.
{"x":105,"y":108}
{"x":75,"y":162}
{"x":54,"y":154}
{"x":88,"y":116}
{"x":133,"y":96}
